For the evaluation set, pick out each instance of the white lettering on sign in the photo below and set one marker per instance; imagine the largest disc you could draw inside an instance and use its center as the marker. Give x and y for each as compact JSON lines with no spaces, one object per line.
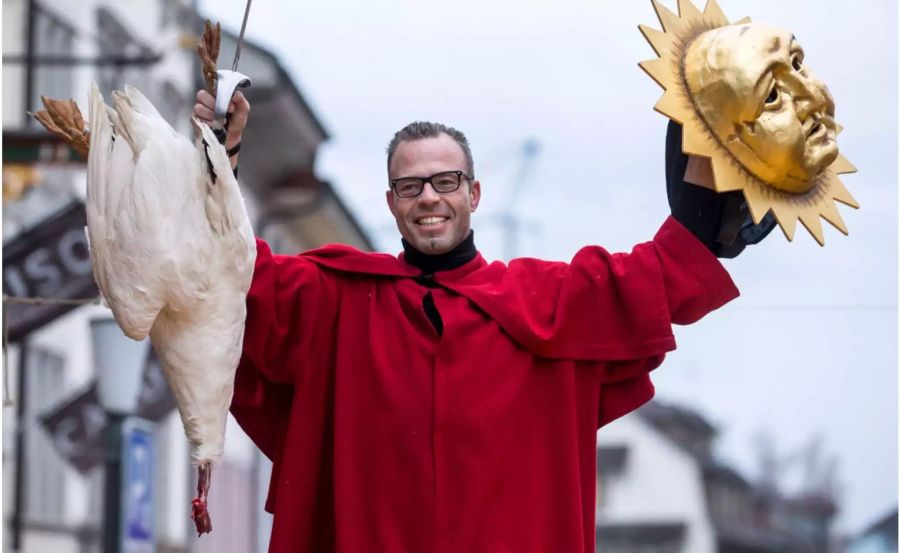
{"x":45,"y":268}
{"x":74,"y":252}
{"x":14,"y":282}
{"x":40,"y":268}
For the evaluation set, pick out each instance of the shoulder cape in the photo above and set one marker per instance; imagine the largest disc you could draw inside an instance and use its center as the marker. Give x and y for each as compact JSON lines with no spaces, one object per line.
{"x":599,"y":306}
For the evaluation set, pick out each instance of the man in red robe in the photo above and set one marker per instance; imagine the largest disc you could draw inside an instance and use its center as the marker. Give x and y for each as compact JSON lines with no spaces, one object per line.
{"x":435,"y":402}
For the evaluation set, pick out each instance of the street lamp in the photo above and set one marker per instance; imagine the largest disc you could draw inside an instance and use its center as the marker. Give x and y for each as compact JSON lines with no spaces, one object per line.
{"x":120,"y":362}
{"x":128,"y":500}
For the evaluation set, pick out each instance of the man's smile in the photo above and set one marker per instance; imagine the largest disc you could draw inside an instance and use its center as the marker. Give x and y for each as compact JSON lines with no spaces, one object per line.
{"x":431,"y":220}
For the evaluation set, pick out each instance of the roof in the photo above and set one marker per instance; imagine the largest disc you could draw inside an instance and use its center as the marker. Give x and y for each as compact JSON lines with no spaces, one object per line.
{"x":684,"y":427}
{"x":718,"y":472}
{"x":885,"y":526}
{"x":662,"y":414}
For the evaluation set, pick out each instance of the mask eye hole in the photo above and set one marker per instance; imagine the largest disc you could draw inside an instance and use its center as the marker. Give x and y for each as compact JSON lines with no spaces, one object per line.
{"x":773,"y":96}
{"x":797,"y":63}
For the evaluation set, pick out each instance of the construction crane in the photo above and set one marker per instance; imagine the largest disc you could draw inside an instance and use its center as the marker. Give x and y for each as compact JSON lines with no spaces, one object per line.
{"x":510,"y":221}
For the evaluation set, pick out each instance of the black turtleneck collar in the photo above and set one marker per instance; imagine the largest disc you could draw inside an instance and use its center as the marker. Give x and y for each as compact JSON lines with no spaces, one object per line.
{"x":463,"y":253}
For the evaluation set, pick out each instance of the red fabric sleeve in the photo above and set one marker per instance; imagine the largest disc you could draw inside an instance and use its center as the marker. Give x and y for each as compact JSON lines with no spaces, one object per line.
{"x":695,"y":281}
{"x":620,"y":398}
{"x":604,"y":306}
{"x":288,"y":308}
{"x":625,"y":386}
{"x":262,"y":409}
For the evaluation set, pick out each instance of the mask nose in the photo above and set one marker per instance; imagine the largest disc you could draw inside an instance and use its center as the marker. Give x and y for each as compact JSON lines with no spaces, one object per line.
{"x":811,"y":96}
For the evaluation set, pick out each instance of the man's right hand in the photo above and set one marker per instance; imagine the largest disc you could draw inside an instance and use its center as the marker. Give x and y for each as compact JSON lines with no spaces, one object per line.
{"x":239,"y":108}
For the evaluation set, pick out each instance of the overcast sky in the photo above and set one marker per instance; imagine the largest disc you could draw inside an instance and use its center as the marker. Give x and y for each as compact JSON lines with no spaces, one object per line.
{"x":810,"y":349}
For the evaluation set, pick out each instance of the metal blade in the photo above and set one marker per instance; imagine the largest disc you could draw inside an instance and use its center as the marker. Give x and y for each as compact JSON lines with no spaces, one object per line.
{"x":240,"y":40}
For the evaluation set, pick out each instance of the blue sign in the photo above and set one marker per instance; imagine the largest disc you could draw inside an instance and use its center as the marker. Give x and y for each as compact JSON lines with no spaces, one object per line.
{"x":137,"y":487}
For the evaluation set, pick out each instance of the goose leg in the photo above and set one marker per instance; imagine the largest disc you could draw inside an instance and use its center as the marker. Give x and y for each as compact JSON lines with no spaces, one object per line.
{"x":199,"y":510}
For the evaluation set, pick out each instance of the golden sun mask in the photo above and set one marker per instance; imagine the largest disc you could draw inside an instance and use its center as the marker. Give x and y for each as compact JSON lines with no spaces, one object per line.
{"x":753,"y":112}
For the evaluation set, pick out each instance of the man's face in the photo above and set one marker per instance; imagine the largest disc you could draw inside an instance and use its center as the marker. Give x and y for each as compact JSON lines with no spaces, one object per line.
{"x":432,"y":222}
{"x":764,"y":105}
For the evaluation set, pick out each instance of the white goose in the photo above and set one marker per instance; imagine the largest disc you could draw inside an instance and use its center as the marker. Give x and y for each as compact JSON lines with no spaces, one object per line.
{"x":173,"y":255}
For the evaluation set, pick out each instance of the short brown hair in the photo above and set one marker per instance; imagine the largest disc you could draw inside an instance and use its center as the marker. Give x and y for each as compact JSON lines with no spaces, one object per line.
{"x":418,"y":130}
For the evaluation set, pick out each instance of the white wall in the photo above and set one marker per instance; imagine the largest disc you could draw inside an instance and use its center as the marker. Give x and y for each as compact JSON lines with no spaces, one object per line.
{"x":13,"y":76}
{"x":660,"y":483}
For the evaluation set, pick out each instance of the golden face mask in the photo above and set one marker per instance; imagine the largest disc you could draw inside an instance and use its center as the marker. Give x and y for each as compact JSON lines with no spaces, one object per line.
{"x":755,"y":117}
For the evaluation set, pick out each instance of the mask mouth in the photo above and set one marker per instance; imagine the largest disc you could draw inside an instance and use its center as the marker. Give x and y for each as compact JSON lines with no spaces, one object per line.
{"x":814,"y":128}
{"x":820,"y":124}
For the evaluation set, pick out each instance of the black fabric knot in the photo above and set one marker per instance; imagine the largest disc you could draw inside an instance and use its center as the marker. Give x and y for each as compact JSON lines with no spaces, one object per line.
{"x":427,"y":280}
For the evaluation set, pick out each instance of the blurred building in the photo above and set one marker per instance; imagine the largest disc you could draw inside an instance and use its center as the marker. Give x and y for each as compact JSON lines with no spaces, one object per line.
{"x":660,"y":489}
{"x":58,"y":48}
{"x":880,"y":537}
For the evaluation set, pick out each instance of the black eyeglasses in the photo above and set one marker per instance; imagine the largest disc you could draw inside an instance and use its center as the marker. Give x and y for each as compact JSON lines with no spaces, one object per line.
{"x":444,"y":183}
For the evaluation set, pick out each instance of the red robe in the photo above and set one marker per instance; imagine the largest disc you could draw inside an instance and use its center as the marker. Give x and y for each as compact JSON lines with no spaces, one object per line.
{"x":388,"y":437}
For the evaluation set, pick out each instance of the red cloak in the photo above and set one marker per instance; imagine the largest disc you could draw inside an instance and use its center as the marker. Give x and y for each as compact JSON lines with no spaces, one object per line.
{"x":386,"y":436}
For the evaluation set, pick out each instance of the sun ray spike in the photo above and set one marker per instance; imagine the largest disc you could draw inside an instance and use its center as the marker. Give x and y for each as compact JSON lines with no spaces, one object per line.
{"x":790,"y":237}
{"x":831,"y":214}
{"x":656,"y":68}
{"x":842,"y":165}
{"x":840,"y":193}
{"x":814,"y":225}
{"x":659,"y":41}
{"x":754,"y":214}
{"x":714,"y":14}
{"x":670,"y":22}
{"x":687,"y":10}
{"x":787,"y":220}
{"x":742,"y":21}
{"x":755,"y":205}
{"x":728,"y":177}
{"x":670,"y":106}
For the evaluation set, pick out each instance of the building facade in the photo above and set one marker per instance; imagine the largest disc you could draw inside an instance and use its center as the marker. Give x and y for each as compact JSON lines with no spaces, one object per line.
{"x":661,"y":489}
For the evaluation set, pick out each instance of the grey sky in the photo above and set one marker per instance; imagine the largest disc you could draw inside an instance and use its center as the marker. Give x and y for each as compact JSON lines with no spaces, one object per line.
{"x":810,"y":347}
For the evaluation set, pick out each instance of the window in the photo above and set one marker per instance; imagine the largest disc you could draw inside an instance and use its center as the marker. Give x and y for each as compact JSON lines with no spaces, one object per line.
{"x":44,"y":469}
{"x":53,"y":37}
{"x":611,"y":460}
{"x":116,"y":40}
{"x":641,"y":538}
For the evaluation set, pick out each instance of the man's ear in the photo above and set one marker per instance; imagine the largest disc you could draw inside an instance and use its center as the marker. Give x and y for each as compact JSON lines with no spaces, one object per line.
{"x":474,"y":195}
{"x":389,"y":196}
